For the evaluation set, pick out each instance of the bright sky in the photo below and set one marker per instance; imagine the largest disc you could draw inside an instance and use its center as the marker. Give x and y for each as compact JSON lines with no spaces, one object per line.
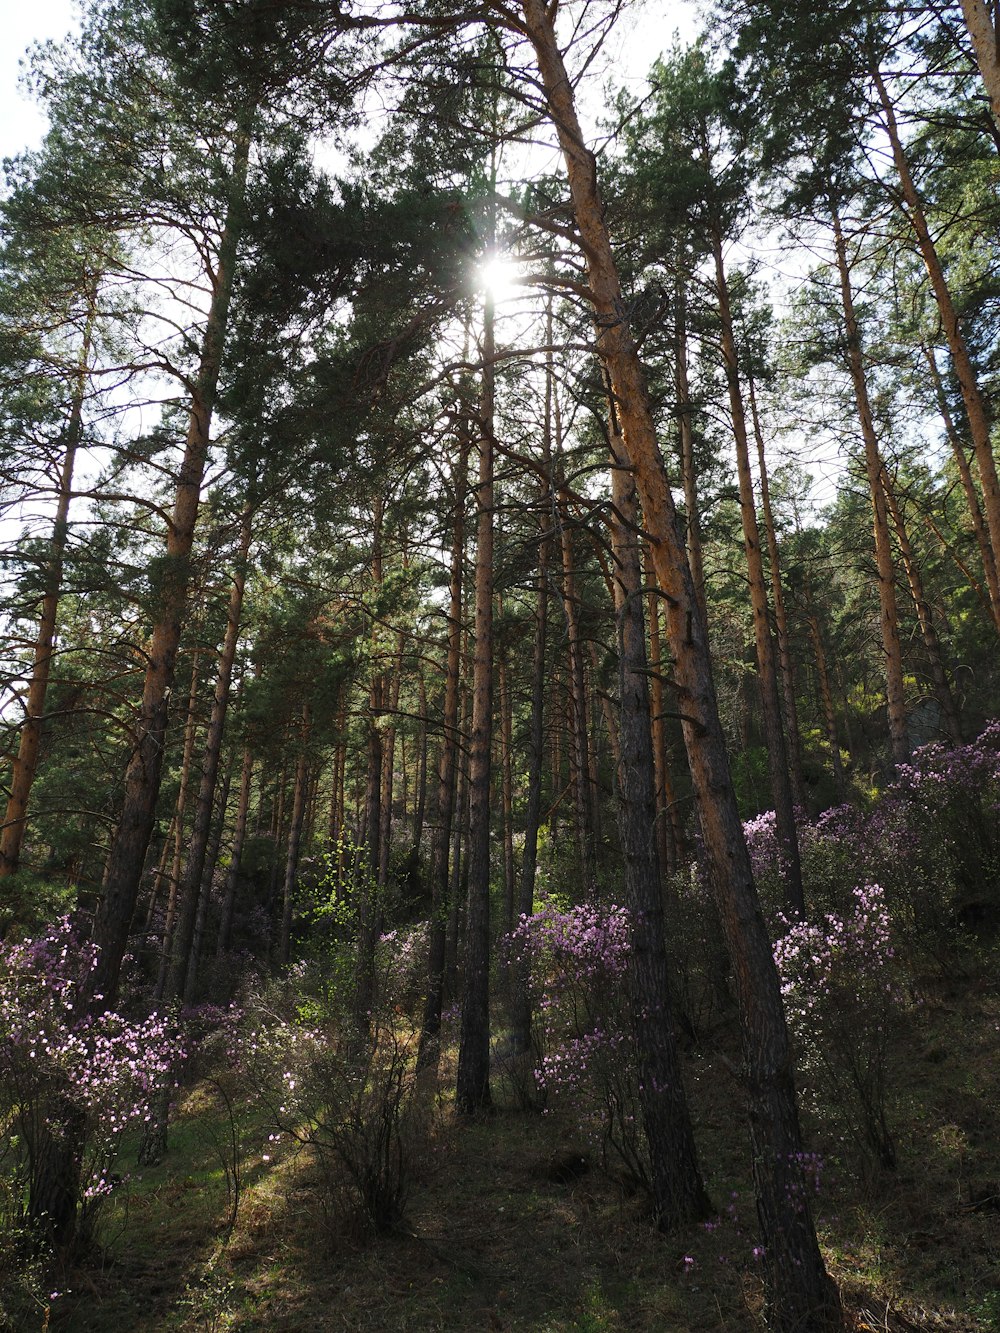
{"x":21,"y":23}
{"x":645,"y":30}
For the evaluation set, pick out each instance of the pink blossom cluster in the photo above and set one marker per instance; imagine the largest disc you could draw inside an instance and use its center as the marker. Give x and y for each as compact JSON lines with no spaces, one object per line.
{"x":54,"y":1048}
{"x":838,"y":959}
{"x":569,"y":1068}
{"x":762,"y":843}
{"x":402,"y":959}
{"x":575,"y":945}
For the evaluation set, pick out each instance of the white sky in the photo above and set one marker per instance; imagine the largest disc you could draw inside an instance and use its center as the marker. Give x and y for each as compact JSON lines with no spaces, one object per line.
{"x":645,"y":30}
{"x":21,"y":23}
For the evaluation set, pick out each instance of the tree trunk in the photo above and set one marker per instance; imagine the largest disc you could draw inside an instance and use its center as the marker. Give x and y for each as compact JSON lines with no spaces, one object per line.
{"x":986,"y":553}
{"x":579,"y":748}
{"x":826,"y":694}
{"x":670,"y":826}
{"x":388,"y":764}
{"x":472,"y":1093}
{"x":883,"y":551}
{"x":982,"y":29}
{"x":366,"y":885}
{"x":799,"y":1293}
{"x":177,"y":859}
{"x":459,"y":873}
{"x":420,"y":794}
{"x":205,"y":889}
{"x":430,"y":1032}
{"x":26,"y":760}
{"x":521,"y":1013}
{"x":689,"y":473}
{"x":507,"y":793}
{"x":142,"y":779}
{"x":932,"y":644}
{"x":236,"y":853}
{"x":294,"y":838}
{"x":777,"y":756}
{"x":678,"y":1190}
{"x":975,"y":405}
{"x":180,"y":979}
{"x":780,"y":615}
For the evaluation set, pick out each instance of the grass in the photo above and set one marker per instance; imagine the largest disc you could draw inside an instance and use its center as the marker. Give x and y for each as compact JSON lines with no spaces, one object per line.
{"x":493,"y":1240}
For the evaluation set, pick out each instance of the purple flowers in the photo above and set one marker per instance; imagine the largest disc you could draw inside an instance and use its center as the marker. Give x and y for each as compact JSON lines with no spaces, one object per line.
{"x":52,"y":1050}
{"x":576,"y":960}
{"x":839,"y":991}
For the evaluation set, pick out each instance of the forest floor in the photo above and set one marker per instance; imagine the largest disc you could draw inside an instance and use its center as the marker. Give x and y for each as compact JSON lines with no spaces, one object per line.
{"x":506,"y":1229}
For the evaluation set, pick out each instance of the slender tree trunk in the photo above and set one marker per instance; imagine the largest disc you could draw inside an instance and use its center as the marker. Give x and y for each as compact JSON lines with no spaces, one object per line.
{"x":579,"y":749}
{"x":932,"y":644}
{"x":366,"y":882}
{"x":420,"y":794}
{"x":142,"y":779}
{"x":689,"y":473}
{"x":780,"y":615}
{"x":975,"y":404}
{"x":459,"y":874}
{"x":181,"y":979}
{"x":507,"y":793}
{"x":521,"y":1011}
{"x":236,"y":853}
{"x":986,"y":553}
{"x":388,"y":765}
{"x":29,"y":742}
{"x":295,"y":838}
{"x":825,"y":692}
{"x":777,"y":755}
{"x":205,"y":890}
{"x":335,"y":830}
{"x":982,"y":26}
{"x":799,"y":1293}
{"x":557,"y":728}
{"x":277,"y":829}
{"x":177,"y":860}
{"x":159,"y":877}
{"x":670,"y":827}
{"x":430,"y":1032}
{"x":472,"y":1093}
{"x":678,"y":1190}
{"x":883,"y":551}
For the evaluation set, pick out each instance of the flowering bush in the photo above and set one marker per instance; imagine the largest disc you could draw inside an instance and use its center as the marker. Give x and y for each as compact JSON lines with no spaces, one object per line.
{"x":576,"y":959}
{"x":350,"y":1105}
{"x":65,"y":1071}
{"x":401,"y":965}
{"x":839,"y":995}
{"x":932,"y":842}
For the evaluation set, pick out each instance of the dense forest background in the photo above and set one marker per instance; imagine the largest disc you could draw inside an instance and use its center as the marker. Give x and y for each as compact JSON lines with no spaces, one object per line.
{"x":498,"y":668}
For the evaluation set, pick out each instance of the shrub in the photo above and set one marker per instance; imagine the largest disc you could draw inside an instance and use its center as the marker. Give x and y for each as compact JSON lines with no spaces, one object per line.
{"x":576,"y":959}
{"x":68,"y":1075}
{"x":350,"y":1105}
{"x":839,"y":997}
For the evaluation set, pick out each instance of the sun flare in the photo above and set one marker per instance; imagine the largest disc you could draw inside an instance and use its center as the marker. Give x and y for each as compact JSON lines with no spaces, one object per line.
{"x":498,"y":276}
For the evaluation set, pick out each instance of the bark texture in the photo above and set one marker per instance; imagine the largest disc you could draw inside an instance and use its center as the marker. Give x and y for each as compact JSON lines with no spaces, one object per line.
{"x":472,"y":1092}
{"x":874,"y":465}
{"x":142,"y":778}
{"x":800,"y":1295}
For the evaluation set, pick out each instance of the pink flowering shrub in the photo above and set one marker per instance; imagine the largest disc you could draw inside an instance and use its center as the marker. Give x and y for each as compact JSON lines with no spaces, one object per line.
{"x":932,"y":841}
{"x":400,"y":966}
{"x":576,"y":960}
{"x":347,"y":1102}
{"x":60,"y":1062}
{"x":839,"y":993}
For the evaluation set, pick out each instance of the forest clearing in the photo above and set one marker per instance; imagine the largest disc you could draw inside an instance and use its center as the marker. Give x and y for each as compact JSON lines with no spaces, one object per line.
{"x":498,"y":670}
